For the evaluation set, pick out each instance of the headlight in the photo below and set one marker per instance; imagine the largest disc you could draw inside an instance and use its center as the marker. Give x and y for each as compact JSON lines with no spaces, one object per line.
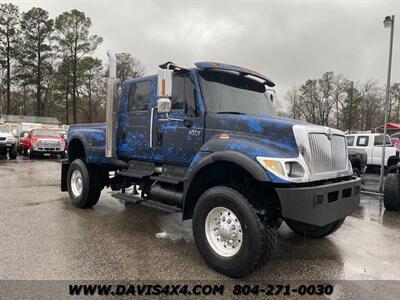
{"x":10,"y":139}
{"x":274,"y":166}
{"x":34,"y":143}
{"x":289,"y":169}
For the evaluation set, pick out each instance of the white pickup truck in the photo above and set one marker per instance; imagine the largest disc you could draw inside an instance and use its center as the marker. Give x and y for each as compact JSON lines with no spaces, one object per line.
{"x":372,"y":144}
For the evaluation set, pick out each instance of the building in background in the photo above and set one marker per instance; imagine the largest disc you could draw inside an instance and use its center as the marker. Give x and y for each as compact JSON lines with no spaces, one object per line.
{"x":26,"y":123}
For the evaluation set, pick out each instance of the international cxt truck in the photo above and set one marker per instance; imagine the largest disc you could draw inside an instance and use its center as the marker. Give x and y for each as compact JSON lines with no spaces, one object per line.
{"x":206,"y":141}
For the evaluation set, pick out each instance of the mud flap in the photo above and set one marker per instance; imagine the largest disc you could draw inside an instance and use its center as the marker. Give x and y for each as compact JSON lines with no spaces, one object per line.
{"x":64,"y":171}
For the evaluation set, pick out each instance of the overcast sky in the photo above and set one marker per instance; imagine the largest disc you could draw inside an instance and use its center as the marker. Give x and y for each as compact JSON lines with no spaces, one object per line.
{"x":289,"y":41}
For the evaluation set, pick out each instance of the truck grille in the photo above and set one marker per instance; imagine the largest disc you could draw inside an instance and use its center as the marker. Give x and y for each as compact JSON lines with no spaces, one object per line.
{"x":48,"y":144}
{"x":327,"y":155}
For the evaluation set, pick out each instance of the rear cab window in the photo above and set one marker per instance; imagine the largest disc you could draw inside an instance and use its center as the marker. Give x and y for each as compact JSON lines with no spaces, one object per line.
{"x":362,"y":141}
{"x":350,"y":140}
{"x":139,"y":95}
{"x":378,"y":140}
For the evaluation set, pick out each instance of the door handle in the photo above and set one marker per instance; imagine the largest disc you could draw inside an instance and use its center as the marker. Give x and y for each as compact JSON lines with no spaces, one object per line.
{"x":151,"y":127}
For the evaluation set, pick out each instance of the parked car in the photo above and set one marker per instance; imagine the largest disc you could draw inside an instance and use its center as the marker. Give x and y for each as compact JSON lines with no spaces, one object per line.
{"x":23,"y":142}
{"x":372,"y":144}
{"x":45,"y":141}
{"x":64,"y":135}
{"x":358,"y":159}
{"x":8,"y":142}
{"x":207,"y":141}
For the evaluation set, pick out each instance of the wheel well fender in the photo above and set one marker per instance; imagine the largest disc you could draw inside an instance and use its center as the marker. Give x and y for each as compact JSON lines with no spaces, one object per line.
{"x":191,"y":183}
{"x":393,"y":160}
{"x":76,"y":149}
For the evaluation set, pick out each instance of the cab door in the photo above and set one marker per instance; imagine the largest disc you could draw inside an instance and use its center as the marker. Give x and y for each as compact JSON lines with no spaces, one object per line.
{"x":377,"y":148}
{"x":178,"y":139}
{"x":134,"y":123}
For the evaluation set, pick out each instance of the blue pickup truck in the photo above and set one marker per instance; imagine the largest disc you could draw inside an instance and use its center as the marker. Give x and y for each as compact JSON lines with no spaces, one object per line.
{"x":206,"y":141}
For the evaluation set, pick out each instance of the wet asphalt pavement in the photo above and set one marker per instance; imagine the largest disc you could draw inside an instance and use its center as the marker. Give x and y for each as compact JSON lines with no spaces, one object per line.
{"x":42,"y":236}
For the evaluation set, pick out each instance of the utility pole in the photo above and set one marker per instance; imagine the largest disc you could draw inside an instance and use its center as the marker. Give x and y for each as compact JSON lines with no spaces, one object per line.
{"x":388,"y":22}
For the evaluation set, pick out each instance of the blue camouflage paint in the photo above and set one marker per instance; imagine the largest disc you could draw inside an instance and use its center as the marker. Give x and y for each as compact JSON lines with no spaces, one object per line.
{"x":252,"y":135}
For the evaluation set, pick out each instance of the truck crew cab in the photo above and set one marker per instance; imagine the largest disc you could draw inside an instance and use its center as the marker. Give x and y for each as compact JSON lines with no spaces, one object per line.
{"x":206,"y":141}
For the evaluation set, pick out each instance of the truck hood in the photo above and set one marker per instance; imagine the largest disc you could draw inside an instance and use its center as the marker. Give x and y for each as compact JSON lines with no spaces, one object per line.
{"x":6,"y":134}
{"x":274,"y":132}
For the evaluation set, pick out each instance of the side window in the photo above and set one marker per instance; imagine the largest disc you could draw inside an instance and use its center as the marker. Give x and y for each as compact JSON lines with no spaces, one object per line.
{"x":362,"y":141}
{"x":350,"y":140}
{"x":183,"y":93}
{"x":139,"y":94}
{"x":378,"y":141}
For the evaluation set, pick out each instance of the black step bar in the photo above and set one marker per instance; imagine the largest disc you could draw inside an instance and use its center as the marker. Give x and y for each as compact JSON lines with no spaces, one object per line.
{"x":134,"y":199}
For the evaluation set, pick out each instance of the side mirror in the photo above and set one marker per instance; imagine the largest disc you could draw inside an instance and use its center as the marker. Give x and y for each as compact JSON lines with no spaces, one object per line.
{"x":164,"y":83}
{"x":164,"y":105}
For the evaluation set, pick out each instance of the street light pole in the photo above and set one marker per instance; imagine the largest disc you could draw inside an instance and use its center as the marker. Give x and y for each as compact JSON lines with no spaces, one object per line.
{"x":389,"y":21}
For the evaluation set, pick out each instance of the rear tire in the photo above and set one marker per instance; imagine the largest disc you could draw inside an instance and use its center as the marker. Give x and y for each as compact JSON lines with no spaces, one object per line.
{"x":224,"y":219}
{"x":391,"y":195}
{"x":13,"y":153}
{"x":313,"y":231}
{"x":84,"y":184}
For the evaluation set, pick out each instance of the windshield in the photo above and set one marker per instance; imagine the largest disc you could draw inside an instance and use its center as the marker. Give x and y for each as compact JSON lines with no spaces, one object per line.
{"x":4,"y":129}
{"x":45,"y":133}
{"x":231,"y":93}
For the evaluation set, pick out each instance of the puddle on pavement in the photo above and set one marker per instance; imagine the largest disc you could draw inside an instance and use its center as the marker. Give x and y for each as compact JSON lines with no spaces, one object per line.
{"x":372,"y":209}
{"x":172,"y":228}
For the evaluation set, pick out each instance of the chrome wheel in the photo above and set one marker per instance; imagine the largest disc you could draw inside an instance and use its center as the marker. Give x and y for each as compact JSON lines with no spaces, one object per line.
{"x":76,"y":183}
{"x":223,"y":231}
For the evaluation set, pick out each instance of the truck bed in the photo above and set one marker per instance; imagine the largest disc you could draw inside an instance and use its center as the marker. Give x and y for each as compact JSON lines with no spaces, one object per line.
{"x":92,"y":136}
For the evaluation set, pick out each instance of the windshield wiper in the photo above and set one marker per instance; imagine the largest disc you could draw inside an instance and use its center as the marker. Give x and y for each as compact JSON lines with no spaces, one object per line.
{"x":231,"y":112}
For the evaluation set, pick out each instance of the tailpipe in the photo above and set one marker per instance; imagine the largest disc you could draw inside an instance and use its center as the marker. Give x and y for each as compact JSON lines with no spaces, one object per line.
{"x":111,"y":115}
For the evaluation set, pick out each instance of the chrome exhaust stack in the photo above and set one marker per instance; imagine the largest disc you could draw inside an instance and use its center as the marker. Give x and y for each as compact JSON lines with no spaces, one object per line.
{"x":111,"y":106}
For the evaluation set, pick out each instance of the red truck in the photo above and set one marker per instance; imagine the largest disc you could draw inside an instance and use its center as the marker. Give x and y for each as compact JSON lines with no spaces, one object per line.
{"x":45,"y":141}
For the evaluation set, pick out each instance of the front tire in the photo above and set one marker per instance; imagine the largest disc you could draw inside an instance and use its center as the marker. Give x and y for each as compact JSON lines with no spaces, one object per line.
{"x":312,"y":231}
{"x":356,"y":172}
{"x":391,"y":196}
{"x":32,"y":154}
{"x":84,"y":186}
{"x":13,"y":153}
{"x":228,"y":233}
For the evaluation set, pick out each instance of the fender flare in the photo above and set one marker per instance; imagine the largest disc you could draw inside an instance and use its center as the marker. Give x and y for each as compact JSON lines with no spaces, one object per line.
{"x":393,"y":158}
{"x":79,"y":139}
{"x":240,"y":159}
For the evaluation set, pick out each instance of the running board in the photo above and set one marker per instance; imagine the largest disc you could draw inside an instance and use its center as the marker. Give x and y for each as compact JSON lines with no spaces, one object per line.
{"x":133,"y":199}
{"x":161,"y":206}
{"x":128,"y":198}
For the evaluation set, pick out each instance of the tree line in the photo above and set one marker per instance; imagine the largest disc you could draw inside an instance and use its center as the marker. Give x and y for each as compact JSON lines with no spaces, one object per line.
{"x":334,"y":100}
{"x":47,"y":67}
